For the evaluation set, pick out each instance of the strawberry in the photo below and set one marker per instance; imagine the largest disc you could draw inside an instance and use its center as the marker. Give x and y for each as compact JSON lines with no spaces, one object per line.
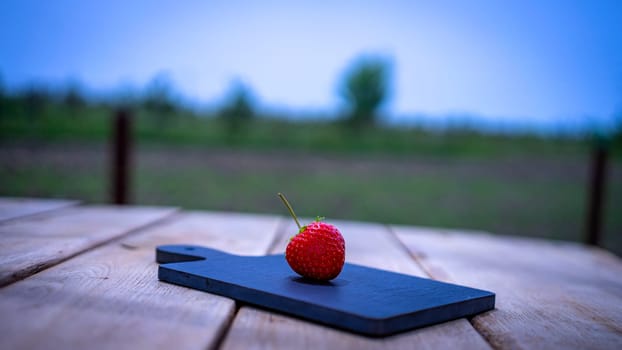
{"x":318,"y":251}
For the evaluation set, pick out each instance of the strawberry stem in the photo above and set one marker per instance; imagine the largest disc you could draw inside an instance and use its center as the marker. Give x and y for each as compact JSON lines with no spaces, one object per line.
{"x":291,"y":210}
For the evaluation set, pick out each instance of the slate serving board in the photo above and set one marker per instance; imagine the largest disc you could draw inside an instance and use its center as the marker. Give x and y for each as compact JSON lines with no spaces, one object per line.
{"x":361,"y":299}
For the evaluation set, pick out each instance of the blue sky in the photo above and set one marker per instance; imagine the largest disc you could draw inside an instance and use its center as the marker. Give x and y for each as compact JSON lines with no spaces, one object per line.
{"x":529,"y":60}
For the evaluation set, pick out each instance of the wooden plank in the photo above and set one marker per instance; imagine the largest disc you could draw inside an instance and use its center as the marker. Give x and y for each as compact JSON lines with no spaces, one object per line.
{"x":110,"y":297}
{"x":32,"y":244}
{"x":13,"y":208}
{"x":549,"y":294}
{"x":366,"y":244}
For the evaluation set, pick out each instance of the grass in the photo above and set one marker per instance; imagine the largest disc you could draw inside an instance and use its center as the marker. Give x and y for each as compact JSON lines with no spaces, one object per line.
{"x":92,"y":125}
{"x":520,"y":185}
{"x":536,"y":195}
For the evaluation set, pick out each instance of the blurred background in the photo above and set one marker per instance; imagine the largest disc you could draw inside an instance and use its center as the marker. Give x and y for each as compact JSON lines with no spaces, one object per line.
{"x":482,"y":115}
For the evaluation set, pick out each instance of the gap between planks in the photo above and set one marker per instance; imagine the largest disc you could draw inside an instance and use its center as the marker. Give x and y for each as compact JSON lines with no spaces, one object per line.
{"x":485,"y":335}
{"x":550,"y":294}
{"x":46,"y":207}
{"x":48,"y":264}
{"x":408,"y":252}
{"x":276,"y":239}
{"x":160,"y":313}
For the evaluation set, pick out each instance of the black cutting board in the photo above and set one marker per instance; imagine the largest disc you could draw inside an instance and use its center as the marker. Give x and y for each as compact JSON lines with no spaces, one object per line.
{"x":361,"y":299}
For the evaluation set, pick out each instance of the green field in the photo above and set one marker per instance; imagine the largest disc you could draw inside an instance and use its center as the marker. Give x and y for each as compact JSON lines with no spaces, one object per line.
{"x":92,"y":125}
{"x":520,"y":185}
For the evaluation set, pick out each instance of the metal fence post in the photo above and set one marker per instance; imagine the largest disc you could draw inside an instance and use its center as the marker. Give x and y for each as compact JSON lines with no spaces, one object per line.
{"x":596,"y":193}
{"x":120,"y":162}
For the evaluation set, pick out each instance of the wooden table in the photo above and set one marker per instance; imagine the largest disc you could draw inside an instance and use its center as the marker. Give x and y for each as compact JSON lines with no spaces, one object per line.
{"x":84,"y":276}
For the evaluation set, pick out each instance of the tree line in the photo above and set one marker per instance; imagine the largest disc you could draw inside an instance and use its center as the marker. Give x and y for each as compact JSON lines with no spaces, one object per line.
{"x":364,"y":88}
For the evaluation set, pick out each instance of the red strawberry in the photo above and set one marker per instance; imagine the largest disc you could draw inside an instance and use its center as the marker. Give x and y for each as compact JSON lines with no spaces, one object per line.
{"x":318,"y":251}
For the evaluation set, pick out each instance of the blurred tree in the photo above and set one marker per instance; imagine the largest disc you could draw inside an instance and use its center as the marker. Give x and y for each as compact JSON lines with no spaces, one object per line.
{"x":237,"y":111}
{"x":159,"y":100}
{"x":35,"y":99}
{"x":125,"y":97}
{"x":3,"y":99}
{"x":73,"y":100}
{"x":365,"y":89}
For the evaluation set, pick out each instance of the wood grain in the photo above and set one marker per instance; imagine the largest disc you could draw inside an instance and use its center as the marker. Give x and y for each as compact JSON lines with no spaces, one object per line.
{"x":32,"y":244}
{"x":366,"y":244}
{"x":110,"y":297}
{"x":549,"y":294}
{"x":13,"y":208}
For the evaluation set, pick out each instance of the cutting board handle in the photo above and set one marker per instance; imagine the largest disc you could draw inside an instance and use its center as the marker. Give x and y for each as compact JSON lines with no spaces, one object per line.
{"x":182,"y":253}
